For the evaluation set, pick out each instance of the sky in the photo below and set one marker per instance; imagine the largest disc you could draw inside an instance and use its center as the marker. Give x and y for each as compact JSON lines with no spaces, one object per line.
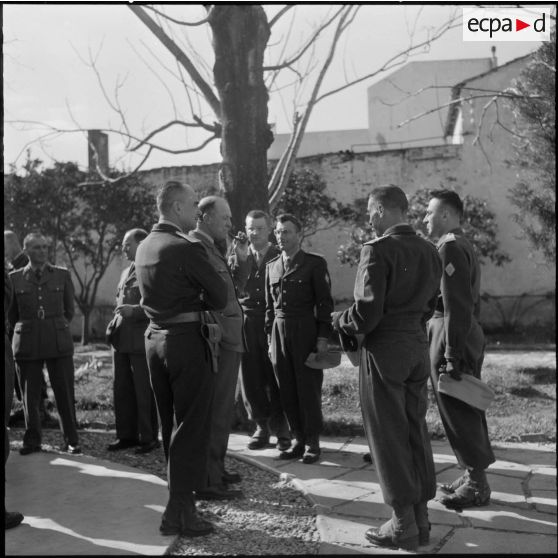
{"x":49,"y":84}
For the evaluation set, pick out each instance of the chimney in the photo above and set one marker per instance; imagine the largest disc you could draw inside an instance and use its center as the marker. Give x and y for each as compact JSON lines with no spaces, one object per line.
{"x":97,"y":151}
{"x":494,"y":60}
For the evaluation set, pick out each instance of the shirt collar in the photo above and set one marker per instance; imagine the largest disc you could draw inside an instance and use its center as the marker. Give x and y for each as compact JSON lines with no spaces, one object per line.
{"x":170,"y":223}
{"x":291,"y":258}
{"x":262,"y":253}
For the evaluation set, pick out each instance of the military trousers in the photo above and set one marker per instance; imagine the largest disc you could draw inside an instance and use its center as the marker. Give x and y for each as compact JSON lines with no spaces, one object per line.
{"x":134,"y":405}
{"x":394,"y":373}
{"x":258,"y":384}
{"x":9,"y":382}
{"x":465,"y":426}
{"x":61,"y":376}
{"x":222,"y":414}
{"x":300,"y":387}
{"x":183,"y":383}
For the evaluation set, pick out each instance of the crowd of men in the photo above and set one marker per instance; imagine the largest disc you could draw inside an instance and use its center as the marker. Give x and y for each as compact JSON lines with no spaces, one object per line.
{"x":193,"y":309}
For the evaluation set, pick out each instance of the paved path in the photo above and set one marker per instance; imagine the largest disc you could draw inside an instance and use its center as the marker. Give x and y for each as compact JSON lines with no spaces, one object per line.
{"x":109,"y":509}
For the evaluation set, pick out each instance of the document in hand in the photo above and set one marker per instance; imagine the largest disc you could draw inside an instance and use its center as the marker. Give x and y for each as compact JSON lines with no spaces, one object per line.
{"x":469,"y":389}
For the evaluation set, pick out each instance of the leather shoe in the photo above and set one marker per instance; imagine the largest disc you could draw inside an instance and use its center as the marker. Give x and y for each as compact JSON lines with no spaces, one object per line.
{"x":311,"y":455}
{"x":122,"y":444}
{"x":74,"y":449}
{"x":190,"y":524}
{"x":26,"y":450}
{"x":451,"y":487}
{"x":231,"y":478}
{"x":367,"y":457}
{"x":218,"y":492}
{"x":389,"y":537}
{"x":296,"y":453}
{"x":468,"y":495}
{"x":148,"y":446}
{"x":12,"y":519}
{"x":283,"y":444}
{"x":258,"y":443}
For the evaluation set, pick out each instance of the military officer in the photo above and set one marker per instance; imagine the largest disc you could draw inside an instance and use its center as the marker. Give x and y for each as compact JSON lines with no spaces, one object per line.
{"x":134,"y":406}
{"x":258,"y":385}
{"x":17,"y":259}
{"x":457,"y":347}
{"x":394,"y":295}
{"x":298,"y":322}
{"x":177,"y":282}
{"x":40,"y":315}
{"x":214,"y":224}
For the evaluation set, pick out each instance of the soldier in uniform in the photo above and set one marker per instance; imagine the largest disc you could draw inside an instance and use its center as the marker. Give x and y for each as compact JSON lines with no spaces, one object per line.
{"x":40,"y":315}
{"x":298,"y":322}
{"x":457,"y":347}
{"x":177,"y":282}
{"x":134,"y":406}
{"x":395,"y":293}
{"x":258,"y":385}
{"x":214,"y":224}
{"x":17,"y":259}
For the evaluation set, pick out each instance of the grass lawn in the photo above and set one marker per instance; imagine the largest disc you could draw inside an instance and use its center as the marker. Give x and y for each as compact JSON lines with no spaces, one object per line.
{"x":524,"y":408}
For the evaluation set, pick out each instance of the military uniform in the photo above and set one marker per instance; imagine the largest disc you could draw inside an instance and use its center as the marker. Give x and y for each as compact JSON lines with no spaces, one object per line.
{"x":176,"y":282}
{"x":298,"y":311}
{"x":258,"y":385}
{"x":134,"y":406}
{"x":455,"y":334}
{"x":9,"y":369}
{"x":41,"y":314}
{"x":231,"y":347}
{"x":395,"y":291}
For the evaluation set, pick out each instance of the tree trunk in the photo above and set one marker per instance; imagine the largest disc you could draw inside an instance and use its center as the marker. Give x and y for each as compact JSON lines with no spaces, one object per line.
{"x":240,"y":35}
{"x":85,"y":325}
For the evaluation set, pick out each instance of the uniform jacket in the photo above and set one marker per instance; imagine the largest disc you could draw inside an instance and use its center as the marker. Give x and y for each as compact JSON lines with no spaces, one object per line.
{"x":250,"y":280}
{"x":41,"y":313}
{"x":459,"y":298}
{"x":175,"y":275}
{"x":396,"y":284}
{"x":304,"y":289}
{"x":230,"y":319}
{"x":126,"y":335}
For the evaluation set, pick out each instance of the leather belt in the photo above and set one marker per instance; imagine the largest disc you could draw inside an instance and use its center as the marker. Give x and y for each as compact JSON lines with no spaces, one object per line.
{"x":182,"y":318}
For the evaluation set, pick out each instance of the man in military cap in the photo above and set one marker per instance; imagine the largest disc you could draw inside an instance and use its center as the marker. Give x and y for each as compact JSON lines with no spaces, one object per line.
{"x":298,"y":322}
{"x":134,"y":406}
{"x":457,"y":347}
{"x":177,"y":283}
{"x":40,"y":315}
{"x":258,"y":384}
{"x":214,"y":224}
{"x":395,"y":293}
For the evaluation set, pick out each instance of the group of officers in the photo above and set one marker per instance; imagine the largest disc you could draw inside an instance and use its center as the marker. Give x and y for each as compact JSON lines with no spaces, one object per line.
{"x":191,"y":312}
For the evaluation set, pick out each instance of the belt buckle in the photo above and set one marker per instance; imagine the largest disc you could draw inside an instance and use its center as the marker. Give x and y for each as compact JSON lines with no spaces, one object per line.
{"x":41,"y":313}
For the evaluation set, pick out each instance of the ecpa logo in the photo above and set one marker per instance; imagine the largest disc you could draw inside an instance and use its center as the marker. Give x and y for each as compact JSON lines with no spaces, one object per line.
{"x":506,"y":24}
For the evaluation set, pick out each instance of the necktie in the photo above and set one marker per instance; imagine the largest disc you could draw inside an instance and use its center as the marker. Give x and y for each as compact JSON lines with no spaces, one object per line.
{"x":287,"y":264}
{"x":38,"y":274}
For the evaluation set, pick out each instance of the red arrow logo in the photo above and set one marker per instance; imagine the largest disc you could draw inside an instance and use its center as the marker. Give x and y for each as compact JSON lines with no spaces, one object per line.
{"x":519,"y":25}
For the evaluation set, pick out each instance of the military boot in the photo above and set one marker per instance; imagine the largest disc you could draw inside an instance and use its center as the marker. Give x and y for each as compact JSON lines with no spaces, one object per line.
{"x":181,"y":518}
{"x":400,"y":531}
{"x":421,"y":519}
{"x":474,"y":492}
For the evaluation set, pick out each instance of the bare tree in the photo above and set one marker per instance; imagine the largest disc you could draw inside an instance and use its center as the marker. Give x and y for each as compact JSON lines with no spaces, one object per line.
{"x":243,"y":36}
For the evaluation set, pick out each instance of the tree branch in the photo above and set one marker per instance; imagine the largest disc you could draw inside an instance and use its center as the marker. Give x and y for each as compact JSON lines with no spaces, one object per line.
{"x":173,"y":48}
{"x":197,"y":124}
{"x":282,"y":11}
{"x":308,"y":44}
{"x":177,"y":21}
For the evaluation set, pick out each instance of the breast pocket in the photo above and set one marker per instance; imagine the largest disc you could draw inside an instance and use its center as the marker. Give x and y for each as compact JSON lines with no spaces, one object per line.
{"x":54,"y":302}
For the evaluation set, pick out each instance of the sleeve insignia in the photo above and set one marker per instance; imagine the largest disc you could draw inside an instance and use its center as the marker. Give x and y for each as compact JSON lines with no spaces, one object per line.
{"x":450,"y":270}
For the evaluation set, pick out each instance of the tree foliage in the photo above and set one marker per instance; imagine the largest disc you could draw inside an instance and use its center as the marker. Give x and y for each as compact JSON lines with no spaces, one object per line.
{"x":479,"y":226}
{"x":534,"y":194}
{"x":85,"y":223}
{"x":307,"y":199}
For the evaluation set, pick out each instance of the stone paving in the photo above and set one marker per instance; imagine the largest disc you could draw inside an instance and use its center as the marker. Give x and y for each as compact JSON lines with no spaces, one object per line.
{"x":521,"y":518}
